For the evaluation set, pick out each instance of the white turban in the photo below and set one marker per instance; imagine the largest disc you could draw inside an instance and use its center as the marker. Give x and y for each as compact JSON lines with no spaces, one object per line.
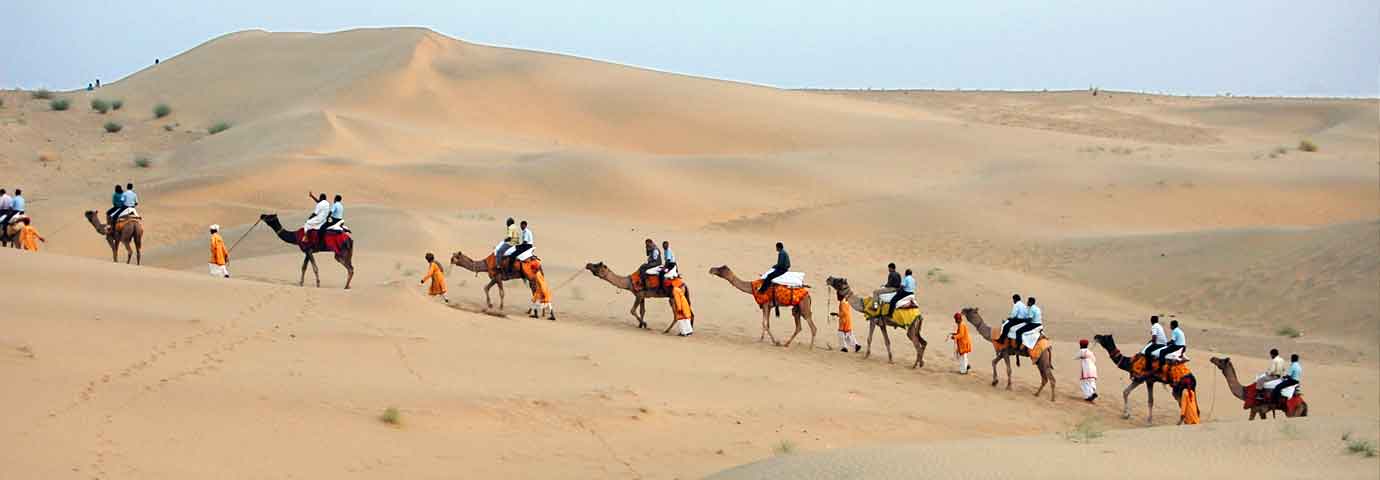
{"x":215,"y":228}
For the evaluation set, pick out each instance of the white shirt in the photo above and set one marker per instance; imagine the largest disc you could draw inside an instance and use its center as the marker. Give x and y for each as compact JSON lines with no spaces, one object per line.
{"x":1019,"y":310}
{"x":131,"y":199}
{"x":1036,"y":317}
{"x":318,"y":217}
{"x":1276,"y":367}
{"x":1157,"y":334}
{"x":1089,"y":364}
{"x":527,"y":236}
{"x":6,"y":202}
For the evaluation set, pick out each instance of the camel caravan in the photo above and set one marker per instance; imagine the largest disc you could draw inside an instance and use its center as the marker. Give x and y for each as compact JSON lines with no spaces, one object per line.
{"x":1020,"y":335}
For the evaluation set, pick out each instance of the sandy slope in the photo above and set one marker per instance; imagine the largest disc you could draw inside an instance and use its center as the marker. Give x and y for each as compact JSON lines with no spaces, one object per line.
{"x":1107,"y":208}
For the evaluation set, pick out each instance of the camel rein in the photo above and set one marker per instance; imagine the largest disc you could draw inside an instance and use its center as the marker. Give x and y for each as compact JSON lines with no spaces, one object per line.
{"x":246,"y":234}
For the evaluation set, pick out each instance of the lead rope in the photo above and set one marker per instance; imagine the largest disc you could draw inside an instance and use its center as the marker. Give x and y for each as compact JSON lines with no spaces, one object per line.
{"x":246,"y":234}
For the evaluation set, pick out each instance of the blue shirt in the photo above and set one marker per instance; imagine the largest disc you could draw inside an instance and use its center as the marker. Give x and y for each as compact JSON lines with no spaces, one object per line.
{"x":670,"y":256}
{"x":1176,"y":337}
{"x":908,"y":284}
{"x":1295,"y":371}
{"x":1036,"y":315}
{"x":131,"y":198}
{"x":338,"y":211}
{"x":18,"y":203}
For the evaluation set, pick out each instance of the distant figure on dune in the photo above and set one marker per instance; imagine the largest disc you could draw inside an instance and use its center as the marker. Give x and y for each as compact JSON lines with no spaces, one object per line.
{"x":220,"y":257}
{"x":437,"y":277}
{"x":29,"y":237}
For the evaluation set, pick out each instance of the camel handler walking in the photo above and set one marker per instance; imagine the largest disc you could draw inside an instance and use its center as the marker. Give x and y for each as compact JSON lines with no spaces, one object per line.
{"x":29,"y":237}
{"x":220,"y":257}
{"x":963,"y":343}
{"x":1087,"y":377}
{"x":845,"y":315}
{"x":437,"y":277}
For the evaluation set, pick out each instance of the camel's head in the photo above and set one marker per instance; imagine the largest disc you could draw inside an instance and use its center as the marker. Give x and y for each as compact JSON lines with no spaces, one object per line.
{"x":720,"y":271}
{"x":271,"y":219}
{"x":89,"y":214}
{"x":969,"y":312}
{"x":1106,"y":341}
{"x":597,"y":268}
{"x":837,"y":283}
{"x":1222,"y":362}
{"x":455,"y":258}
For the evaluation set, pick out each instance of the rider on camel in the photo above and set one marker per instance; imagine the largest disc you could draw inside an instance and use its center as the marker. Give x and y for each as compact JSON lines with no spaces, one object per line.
{"x":783,"y":265}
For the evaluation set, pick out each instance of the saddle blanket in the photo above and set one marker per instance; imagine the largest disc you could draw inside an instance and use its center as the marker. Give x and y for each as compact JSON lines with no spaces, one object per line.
{"x":18,"y":217}
{"x":674,"y":272}
{"x":1268,"y":384}
{"x":523,"y":256}
{"x":334,"y":239}
{"x":906,"y":302}
{"x":903,"y":316}
{"x":1153,"y":350}
{"x":128,"y":212}
{"x":1029,"y":339}
{"x":789,"y":279}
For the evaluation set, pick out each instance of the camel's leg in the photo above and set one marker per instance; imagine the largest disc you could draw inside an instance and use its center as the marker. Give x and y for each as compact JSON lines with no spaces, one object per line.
{"x":502,"y":294}
{"x":129,"y":251}
{"x":488,"y":300}
{"x":114,"y":250}
{"x":913,"y":333}
{"x":642,"y":312}
{"x":139,"y":248}
{"x":994,"y":367}
{"x":1048,"y":367}
{"x":1150,"y":398}
{"x":349,"y":271}
{"x":766,"y":326}
{"x":795,"y":315}
{"x":302,"y":281}
{"x":315,"y":270}
{"x":1126,"y":398}
{"x":810,"y":319}
{"x":886,"y":339}
{"x":1008,"y":372}
{"x":871,"y":325}
{"x":672,"y":302}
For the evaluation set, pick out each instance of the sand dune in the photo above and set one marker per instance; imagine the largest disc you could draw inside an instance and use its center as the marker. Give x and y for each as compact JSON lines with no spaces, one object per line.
{"x":1108,"y":208}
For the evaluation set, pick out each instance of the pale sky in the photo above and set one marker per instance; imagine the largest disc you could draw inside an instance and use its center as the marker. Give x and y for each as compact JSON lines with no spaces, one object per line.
{"x":1256,"y":47}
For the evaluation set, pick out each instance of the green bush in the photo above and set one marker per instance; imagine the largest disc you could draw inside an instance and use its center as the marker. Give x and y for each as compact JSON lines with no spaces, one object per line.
{"x":43,"y":94}
{"x":218,"y":127}
{"x":1307,"y":146}
{"x":391,"y":416}
{"x":113,"y":127}
{"x":1288,"y":331}
{"x":161,"y":110}
{"x":143,"y":162}
{"x":116,"y":104}
{"x":100,"y":105}
{"x":59,"y":104}
{"x":1362,"y":447}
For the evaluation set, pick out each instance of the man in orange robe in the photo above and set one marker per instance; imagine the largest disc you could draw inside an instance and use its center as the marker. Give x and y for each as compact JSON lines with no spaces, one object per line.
{"x":29,"y":237}
{"x":963,"y":343}
{"x":220,"y":257}
{"x":437,"y":277}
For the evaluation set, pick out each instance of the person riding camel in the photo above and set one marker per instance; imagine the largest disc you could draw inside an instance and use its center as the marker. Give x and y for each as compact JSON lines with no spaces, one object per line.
{"x":17,"y":203}
{"x":1157,"y":339}
{"x":320,"y":214}
{"x":1292,"y":376}
{"x":117,"y":204}
{"x":6,"y":207}
{"x":1019,"y":315}
{"x":908,"y":288}
{"x":1275,"y":371}
{"x":337,"y":214}
{"x":131,"y":198}
{"x":1177,"y":343}
{"x":525,"y":240}
{"x":783,"y":265}
{"x":1037,"y":318}
{"x":893,"y":283}
{"x":654,"y":260}
{"x":668,"y":261}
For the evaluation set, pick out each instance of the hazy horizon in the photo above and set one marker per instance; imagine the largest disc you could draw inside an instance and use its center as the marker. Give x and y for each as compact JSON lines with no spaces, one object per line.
{"x":1270,"y":48}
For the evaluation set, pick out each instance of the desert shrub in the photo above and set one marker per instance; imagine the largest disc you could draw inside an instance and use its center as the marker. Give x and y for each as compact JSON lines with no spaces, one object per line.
{"x":1085,"y":431}
{"x":786,"y":447}
{"x":59,"y":104}
{"x":100,"y":105}
{"x":116,"y":104}
{"x":143,"y":162}
{"x":113,"y":127}
{"x":217,"y":128}
{"x":1307,"y":146}
{"x":169,"y":127}
{"x":1288,"y":331}
{"x":391,"y":416}
{"x":161,"y":110}
{"x":1361,"y":447}
{"x":43,"y":94}
{"x":2,"y":103}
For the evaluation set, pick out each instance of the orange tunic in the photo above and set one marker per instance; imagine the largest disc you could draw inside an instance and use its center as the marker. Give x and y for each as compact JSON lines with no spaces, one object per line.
{"x":438,"y":279}
{"x":28,"y":238}
{"x":962,"y":341}
{"x":219,"y":255}
{"x":845,"y":317}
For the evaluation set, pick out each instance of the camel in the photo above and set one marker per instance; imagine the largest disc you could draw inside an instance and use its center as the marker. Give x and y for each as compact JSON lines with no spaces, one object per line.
{"x":912,"y":332}
{"x":797,"y":311}
{"x":1045,"y":363}
{"x":133,"y":230}
{"x":640,"y":295}
{"x":459,"y":259}
{"x":345,"y":257}
{"x":9,"y":235}
{"x":1126,"y":363}
{"x":1239,"y":391}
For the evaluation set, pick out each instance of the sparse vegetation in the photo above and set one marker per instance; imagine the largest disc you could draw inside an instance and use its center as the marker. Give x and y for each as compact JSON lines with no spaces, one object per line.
{"x":113,"y":127}
{"x":143,"y":161}
{"x":1085,"y":431}
{"x":786,"y":447}
{"x":937,"y":274}
{"x":1307,"y":146}
{"x":59,"y":104}
{"x":1361,"y":447}
{"x":116,"y":104}
{"x":217,"y":128}
{"x":100,"y":105}
{"x":391,"y":416}
{"x":161,"y":110}
{"x":43,"y":94}
{"x":1288,"y":331}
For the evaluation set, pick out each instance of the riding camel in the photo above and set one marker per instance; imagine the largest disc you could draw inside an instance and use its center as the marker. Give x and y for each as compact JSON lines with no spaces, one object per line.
{"x":1043,"y":360}
{"x":343,"y":254}
{"x":1247,"y":395}
{"x":799,"y":303}
{"x":9,"y":235}
{"x":640,"y":295}
{"x":496,"y":275}
{"x":882,"y":322}
{"x":126,"y":229}
{"x":1178,"y":376}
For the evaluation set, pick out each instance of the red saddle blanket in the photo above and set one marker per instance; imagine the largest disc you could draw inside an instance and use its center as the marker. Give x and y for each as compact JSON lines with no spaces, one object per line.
{"x":334,"y":239}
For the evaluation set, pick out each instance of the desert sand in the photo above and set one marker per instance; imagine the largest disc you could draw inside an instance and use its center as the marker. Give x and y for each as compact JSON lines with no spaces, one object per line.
{"x":1108,"y":208}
